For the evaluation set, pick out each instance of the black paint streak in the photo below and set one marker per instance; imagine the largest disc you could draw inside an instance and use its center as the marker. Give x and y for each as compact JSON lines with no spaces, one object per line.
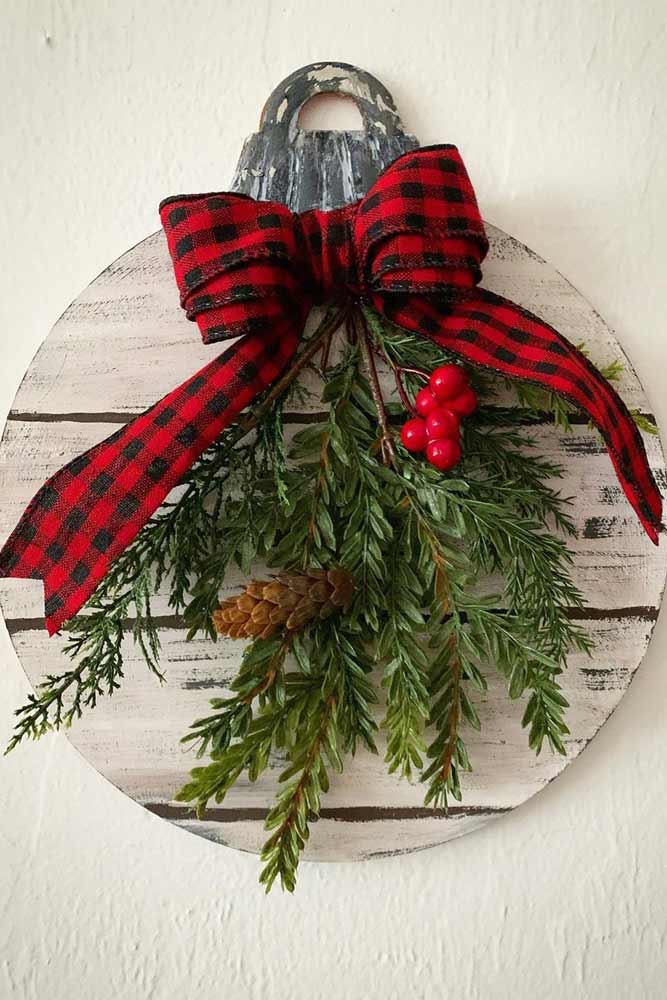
{"x":645,"y":613}
{"x":603,"y":678}
{"x":600,"y":527}
{"x":75,"y":418}
{"x":610,"y":495}
{"x":540,"y":418}
{"x":591,"y":445}
{"x":348,"y":814}
{"x":205,"y":684}
{"x":15,"y":625}
{"x":109,"y":417}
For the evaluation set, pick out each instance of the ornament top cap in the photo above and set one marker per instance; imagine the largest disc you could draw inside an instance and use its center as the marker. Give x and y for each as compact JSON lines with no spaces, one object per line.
{"x":306,"y":169}
{"x":376,"y":105}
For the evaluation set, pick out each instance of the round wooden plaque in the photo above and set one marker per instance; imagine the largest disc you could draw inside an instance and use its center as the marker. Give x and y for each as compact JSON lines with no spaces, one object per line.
{"x":122,"y":344}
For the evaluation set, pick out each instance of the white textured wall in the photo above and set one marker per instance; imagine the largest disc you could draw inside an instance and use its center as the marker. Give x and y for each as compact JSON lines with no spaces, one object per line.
{"x":107,"y":106}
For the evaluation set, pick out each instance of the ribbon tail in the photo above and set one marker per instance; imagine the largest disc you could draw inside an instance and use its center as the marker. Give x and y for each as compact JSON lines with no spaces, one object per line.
{"x":491,"y":332}
{"x":86,"y":514}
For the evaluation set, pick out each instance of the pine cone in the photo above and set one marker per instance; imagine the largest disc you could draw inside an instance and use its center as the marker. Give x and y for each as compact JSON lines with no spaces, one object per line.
{"x":287,"y":602}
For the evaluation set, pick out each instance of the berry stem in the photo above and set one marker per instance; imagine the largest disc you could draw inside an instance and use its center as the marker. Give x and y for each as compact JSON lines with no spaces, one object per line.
{"x":398,"y":372}
{"x":405,"y":399}
{"x":412,"y":371}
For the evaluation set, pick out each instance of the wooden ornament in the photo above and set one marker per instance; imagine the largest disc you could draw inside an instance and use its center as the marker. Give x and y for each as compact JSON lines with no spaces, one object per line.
{"x":73,"y":395}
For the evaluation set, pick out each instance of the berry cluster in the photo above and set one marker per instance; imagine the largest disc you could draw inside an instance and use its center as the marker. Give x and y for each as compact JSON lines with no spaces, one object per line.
{"x":440,"y":406}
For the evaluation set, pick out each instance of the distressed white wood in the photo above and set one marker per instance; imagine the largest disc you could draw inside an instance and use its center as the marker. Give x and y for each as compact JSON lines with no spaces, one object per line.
{"x":122,"y":344}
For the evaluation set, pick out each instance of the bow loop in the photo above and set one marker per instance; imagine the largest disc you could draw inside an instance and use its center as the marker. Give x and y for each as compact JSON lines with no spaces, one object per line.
{"x":419,"y":229}
{"x":236,"y":262}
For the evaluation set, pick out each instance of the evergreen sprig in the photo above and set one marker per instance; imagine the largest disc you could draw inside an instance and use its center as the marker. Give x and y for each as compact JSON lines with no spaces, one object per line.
{"x":400,"y":649}
{"x":312,"y":716}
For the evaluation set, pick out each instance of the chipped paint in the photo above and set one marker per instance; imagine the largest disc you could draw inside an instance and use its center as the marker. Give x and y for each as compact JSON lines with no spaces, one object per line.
{"x":318,"y":169}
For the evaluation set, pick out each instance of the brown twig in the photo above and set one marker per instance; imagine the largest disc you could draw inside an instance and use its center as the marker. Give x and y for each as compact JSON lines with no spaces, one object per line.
{"x":452,"y":722}
{"x":326,"y":350}
{"x":386,"y":438}
{"x":311,"y":759}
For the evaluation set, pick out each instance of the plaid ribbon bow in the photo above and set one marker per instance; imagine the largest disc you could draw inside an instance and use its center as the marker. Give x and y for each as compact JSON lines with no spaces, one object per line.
{"x":251,"y":270}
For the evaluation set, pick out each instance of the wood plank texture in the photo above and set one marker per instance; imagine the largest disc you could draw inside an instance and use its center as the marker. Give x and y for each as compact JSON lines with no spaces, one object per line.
{"x":122,"y":344}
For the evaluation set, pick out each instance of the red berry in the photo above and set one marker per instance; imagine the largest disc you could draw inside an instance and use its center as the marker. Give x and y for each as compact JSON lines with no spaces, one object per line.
{"x":413,"y":434}
{"x":442,"y":423}
{"x":425,"y":402}
{"x":464,"y":404}
{"x":443,"y":453}
{"x":448,"y":381}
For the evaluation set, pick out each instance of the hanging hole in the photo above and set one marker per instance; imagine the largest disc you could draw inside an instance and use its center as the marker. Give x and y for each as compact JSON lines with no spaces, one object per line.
{"x":330,"y":113}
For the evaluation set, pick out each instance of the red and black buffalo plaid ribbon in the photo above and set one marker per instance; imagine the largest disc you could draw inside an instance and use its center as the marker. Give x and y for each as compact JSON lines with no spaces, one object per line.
{"x":251,"y":270}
